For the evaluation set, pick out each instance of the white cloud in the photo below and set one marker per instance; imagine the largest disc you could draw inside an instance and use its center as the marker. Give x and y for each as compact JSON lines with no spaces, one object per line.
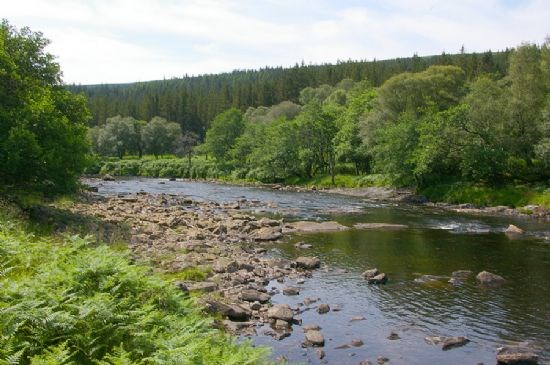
{"x":124,"y":40}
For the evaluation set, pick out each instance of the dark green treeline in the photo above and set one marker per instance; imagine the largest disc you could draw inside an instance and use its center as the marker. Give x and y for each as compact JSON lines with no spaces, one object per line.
{"x":194,"y":101}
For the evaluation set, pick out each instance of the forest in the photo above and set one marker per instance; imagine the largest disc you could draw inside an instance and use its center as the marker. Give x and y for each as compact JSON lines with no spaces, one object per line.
{"x":437,"y":125}
{"x":193,"y":101}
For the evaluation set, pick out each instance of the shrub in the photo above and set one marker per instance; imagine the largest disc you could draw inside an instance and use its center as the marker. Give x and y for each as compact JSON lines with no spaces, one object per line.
{"x":67,"y":302}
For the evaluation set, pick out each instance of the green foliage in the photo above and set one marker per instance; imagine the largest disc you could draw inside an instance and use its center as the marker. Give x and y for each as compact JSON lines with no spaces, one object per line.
{"x":483,"y":195}
{"x":43,"y":141}
{"x":160,"y":136}
{"x":223,"y":133}
{"x":68,"y":302}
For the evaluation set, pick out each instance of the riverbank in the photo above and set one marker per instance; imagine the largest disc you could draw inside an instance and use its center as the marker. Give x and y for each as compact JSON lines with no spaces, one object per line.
{"x":476,"y":195}
{"x":462,"y":198}
{"x":73,"y":299}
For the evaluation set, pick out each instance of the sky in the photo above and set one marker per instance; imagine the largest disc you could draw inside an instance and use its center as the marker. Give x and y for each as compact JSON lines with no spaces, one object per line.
{"x":117,"y":41}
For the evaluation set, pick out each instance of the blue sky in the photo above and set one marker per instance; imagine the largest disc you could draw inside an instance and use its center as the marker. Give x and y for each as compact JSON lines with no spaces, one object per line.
{"x":100,"y":41}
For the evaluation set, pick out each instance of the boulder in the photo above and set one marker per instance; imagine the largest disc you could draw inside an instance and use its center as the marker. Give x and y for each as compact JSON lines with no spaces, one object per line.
{"x":281,"y":311}
{"x":452,"y":342}
{"x":311,"y":227}
{"x":356,"y":343}
{"x":108,"y":177}
{"x":268,"y":234}
{"x":513,"y":230}
{"x":370,"y":273}
{"x":323,"y":308}
{"x":291,"y":290}
{"x":252,"y":295}
{"x":447,"y":343}
{"x":487,"y":278}
{"x":315,"y":338}
{"x":280,"y":324}
{"x":378,"y":279}
{"x":232,"y":311}
{"x":225,"y":265}
{"x":516,"y":356}
{"x":306,"y":262}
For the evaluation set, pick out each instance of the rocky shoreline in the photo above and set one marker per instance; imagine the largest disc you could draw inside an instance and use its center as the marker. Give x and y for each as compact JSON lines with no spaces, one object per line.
{"x":393,"y":195}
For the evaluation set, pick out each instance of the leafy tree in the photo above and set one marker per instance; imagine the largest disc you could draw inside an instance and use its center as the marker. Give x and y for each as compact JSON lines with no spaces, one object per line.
{"x":316,"y":130}
{"x":185,"y":144}
{"x":526,"y":99}
{"x":118,"y":137}
{"x":225,"y":129}
{"x":160,"y":136}
{"x":43,"y":140}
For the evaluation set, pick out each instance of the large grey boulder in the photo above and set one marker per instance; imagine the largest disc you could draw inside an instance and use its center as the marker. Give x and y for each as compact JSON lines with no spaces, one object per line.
{"x":281,"y":311}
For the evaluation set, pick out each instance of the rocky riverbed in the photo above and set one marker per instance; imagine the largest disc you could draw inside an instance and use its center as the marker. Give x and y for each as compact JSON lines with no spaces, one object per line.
{"x":256,"y":291}
{"x":177,"y":233}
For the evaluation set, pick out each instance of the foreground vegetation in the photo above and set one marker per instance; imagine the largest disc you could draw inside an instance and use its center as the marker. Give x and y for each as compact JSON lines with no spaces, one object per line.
{"x":64,"y":300}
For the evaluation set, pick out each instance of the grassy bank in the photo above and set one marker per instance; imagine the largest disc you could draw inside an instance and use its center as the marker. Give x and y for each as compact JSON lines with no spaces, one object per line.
{"x":480,"y":195}
{"x":64,"y":300}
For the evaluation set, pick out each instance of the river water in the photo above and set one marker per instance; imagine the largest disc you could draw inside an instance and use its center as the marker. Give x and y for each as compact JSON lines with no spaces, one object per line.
{"x":436,"y":242}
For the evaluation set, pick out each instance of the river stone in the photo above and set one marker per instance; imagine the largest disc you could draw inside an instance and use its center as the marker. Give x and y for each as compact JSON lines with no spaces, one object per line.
{"x":320,"y":354}
{"x":315,"y":338}
{"x":356,"y":343}
{"x":302,"y":245}
{"x":452,"y":342}
{"x":306,"y":262}
{"x":393,"y":336}
{"x":387,"y":226}
{"x":108,"y":177}
{"x":225,"y":265}
{"x":487,"y":278}
{"x":370,"y":273}
{"x":291,"y":290}
{"x":447,"y":343}
{"x":516,"y":356}
{"x":280,"y":324}
{"x":232,"y":311}
{"x":311,"y":227}
{"x":234,"y":327}
{"x":513,"y":230}
{"x":310,"y":300}
{"x":357,"y":318}
{"x":252,"y":295}
{"x":268,"y":234}
{"x":378,"y":279}
{"x":281,"y":311}
{"x":323,"y":308}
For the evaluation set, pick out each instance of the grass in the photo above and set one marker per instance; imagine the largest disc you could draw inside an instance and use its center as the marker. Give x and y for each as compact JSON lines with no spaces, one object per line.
{"x":481,"y":195}
{"x":340,"y":181}
{"x":65,"y":300}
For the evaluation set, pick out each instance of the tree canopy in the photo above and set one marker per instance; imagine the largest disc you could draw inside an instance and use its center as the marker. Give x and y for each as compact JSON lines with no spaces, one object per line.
{"x":42,"y":125}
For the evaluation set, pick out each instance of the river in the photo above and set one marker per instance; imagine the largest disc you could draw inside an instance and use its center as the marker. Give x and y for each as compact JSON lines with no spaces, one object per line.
{"x":436,"y":242}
